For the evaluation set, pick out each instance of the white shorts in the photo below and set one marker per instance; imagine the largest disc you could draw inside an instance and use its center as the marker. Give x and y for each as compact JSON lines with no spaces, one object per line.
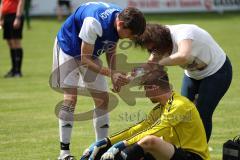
{"x":67,"y":72}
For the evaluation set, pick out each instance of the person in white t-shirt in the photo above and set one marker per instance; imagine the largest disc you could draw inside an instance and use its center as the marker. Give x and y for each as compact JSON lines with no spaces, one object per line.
{"x":208,"y":71}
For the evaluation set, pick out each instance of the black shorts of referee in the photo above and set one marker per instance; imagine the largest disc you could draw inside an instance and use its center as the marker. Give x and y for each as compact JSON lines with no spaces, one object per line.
{"x":64,"y":3}
{"x":9,"y":32}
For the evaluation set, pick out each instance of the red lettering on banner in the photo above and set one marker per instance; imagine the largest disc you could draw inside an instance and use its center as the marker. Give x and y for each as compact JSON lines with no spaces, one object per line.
{"x":132,"y":3}
{"x":208,"y":4}
{"x":190,"y":3}
{"x":144,"y":3}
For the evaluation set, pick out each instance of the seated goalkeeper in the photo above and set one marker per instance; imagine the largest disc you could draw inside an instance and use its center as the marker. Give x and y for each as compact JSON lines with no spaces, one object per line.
{"x":173,"y":129}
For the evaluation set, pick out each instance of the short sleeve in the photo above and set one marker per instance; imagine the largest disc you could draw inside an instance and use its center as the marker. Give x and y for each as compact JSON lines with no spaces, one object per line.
{"x":90,"y":30}
{"x":184,"y":34}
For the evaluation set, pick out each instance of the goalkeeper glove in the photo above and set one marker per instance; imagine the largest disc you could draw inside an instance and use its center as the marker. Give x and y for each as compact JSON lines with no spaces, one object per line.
{"x":91,"y":152}
{"x":113,"y":151}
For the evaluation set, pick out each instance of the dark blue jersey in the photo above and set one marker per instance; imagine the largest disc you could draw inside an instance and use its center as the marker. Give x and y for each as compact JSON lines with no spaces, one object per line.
{"x":101,"y":14}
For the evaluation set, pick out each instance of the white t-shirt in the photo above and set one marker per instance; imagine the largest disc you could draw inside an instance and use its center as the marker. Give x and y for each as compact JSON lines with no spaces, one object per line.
{"x":207,"y":56}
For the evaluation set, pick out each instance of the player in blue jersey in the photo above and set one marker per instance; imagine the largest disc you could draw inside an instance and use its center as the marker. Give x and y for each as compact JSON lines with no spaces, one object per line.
{"x":94,"y":28}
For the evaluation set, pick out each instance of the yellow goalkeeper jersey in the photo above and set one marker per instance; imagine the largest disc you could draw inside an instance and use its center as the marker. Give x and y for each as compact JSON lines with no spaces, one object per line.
{"x":178,"y":122}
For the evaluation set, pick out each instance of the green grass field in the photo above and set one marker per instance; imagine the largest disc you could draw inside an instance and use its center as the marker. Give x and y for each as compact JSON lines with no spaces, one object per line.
{"x":28,"y":125}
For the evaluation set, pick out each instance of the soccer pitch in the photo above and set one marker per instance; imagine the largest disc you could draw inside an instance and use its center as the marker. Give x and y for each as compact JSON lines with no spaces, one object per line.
{"x":29,"y":127}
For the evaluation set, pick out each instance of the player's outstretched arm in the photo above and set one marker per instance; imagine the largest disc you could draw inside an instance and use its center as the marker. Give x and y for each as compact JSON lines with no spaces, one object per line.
{"x":118,"y":78}
{"x":181,"y":57}
{"x":135,"y":129}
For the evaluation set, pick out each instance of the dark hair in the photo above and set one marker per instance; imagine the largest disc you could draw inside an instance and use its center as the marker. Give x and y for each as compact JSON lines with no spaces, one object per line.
{"x":157,"y":34}
{"x":158,"y":78}
{"x":133,"y":19}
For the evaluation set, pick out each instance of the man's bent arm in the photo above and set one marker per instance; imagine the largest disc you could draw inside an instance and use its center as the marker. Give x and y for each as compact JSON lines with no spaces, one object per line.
{"x":86,"y":59}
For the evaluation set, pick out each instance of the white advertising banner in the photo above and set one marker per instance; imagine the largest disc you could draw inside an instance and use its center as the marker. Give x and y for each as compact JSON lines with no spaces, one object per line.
{"x":48,"y":7}
{"x":43,"y":7}
{"x":163,"y":6}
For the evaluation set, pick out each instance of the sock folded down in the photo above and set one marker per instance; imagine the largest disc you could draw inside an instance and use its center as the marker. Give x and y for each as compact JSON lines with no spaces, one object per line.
{"x":65,"y":126}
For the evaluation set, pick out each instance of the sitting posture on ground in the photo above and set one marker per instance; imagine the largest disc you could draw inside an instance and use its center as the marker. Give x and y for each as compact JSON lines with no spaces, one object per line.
{"x":172,"y":131}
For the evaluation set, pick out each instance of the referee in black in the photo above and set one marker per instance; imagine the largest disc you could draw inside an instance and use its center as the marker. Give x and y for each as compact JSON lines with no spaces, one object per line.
{"x":11,"y":20}
{"x":60,"y":6}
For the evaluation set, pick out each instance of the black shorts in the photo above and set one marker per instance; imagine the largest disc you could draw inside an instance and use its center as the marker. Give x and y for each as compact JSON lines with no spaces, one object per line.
{"x":180,"y":154}
{"x":8,"y":31}
{"x":64,"y":3}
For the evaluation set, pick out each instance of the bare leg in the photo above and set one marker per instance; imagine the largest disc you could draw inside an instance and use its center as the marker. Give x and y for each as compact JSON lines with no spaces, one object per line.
{"x":159,"y":148}
{"x":14,"y":43}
